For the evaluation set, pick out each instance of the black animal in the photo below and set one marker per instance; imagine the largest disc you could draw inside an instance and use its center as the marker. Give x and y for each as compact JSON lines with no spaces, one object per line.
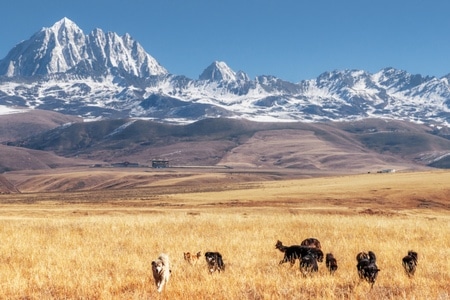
{"x":291,"y":253}
{"x":410,"y":263}
{"x":214,"y":261}
{"x":367,"y":267}
{"x":311,"y":242}
{"x":279,"y":245}
{"x":317,"y":253}
{"x":331,"y":263}
{"x":308,"y":264}
{"x":362,"y":255}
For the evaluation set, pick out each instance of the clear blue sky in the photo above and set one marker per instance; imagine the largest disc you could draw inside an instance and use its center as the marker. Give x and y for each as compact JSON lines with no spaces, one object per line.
{"x":290,"y":39}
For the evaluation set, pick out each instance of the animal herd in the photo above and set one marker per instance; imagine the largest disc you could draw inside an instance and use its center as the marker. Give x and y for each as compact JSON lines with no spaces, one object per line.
{"x":309,"y":253}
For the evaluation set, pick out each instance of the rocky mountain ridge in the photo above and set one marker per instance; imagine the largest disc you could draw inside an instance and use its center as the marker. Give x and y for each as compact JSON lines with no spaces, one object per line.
{"x":103,"y":75}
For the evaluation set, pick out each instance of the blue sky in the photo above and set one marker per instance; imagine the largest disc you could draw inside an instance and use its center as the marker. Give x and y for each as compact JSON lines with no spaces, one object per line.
{"x":290,"y":39}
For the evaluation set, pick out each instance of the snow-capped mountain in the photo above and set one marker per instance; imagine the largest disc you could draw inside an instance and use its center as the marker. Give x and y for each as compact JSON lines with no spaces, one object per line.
{"x":64,"y":48}
{"x":220,"y":71}
{"x":103,"y":75}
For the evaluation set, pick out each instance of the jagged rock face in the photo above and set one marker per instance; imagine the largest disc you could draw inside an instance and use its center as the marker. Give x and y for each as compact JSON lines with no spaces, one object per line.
{"x":220,"y":71}
{"x":103,"y":75}
{"x":65,"y":48}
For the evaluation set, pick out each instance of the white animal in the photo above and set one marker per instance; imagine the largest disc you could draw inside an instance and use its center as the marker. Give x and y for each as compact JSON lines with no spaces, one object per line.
{"x":161,"y":271}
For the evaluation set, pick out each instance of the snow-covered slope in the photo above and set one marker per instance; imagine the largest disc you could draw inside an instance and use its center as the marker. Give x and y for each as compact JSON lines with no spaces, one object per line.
{"x":103,"y":75}
{"x":64,"y":47}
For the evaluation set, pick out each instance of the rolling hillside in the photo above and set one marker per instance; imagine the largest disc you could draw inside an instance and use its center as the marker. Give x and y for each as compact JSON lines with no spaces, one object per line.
{"x":349,"y":146}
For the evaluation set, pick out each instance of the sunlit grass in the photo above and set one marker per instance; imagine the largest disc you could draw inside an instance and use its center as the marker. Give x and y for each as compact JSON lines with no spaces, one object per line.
{"x":108,"y":257}
{"x":100,"y":244}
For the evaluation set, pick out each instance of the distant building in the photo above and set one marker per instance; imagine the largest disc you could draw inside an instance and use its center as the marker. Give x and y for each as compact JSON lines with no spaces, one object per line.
{"x":159,"y":163}
{"x":125,"y":164}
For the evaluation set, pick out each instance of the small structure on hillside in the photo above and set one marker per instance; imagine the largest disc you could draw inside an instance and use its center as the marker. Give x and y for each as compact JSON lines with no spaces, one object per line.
{"x":125,"y":164}
{"x":160,"y":163}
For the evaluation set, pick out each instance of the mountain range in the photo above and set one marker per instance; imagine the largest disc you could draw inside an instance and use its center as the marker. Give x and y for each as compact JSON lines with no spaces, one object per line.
{"x":73,"y":99}
{"x":103,"y":75}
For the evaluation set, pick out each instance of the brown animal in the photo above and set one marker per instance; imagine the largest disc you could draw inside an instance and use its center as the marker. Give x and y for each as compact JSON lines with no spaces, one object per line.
{"x":192,"y":259}
{"x":311,"y":242}
{"x":410,"y":263}
{"x":367,"y":267}
{"x":331,"y":263}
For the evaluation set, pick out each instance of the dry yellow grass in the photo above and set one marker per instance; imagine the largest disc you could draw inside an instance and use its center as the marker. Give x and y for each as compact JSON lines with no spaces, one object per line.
{"x":102,"y":248}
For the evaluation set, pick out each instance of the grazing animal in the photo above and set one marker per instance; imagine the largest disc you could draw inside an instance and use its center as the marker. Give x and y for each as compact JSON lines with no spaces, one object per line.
{"x":317,"y":253}
{"x":192,"y":259}
{"x":331,"y":263}
{"x":161,"y":271}
{"x":291,"y":253}
{"x":311,"y":242}
{"x":308,"y":264}
{"x":410,"y":263}
{"x":279,"y":245}
{"x":362,"y":255}
{"x":214,"y":261}
{"x":367,"y":267}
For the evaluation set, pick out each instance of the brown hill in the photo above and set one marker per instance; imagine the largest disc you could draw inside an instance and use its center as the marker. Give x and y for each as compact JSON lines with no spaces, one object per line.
{"x":7,"y":187}
{"x":18,"y":126}
{"x":349,"y":147}
{"x":16,"y":158}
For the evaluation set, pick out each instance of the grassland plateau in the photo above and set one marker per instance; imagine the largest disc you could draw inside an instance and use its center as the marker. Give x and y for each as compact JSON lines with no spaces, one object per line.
{"x":92,"y":234}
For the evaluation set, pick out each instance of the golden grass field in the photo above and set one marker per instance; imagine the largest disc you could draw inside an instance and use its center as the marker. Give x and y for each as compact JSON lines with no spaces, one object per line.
{"x":100,"y":244}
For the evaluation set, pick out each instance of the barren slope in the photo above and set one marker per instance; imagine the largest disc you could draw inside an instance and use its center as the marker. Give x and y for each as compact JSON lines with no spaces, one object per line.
{"x":356,"y":147}
{"x":15,"y":158}
{"x":17,"y":126}
{"x":201,"y":190}
{"x":304,"y":149}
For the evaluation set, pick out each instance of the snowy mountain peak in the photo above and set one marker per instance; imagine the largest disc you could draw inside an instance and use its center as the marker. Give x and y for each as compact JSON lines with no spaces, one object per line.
{"x":218,"y":71}
{"x":399,"y":79}
{"x":241,"y":75}
{"x":64,"y":48}
{"x":104,"y":75}
{"x":64,"y":24}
